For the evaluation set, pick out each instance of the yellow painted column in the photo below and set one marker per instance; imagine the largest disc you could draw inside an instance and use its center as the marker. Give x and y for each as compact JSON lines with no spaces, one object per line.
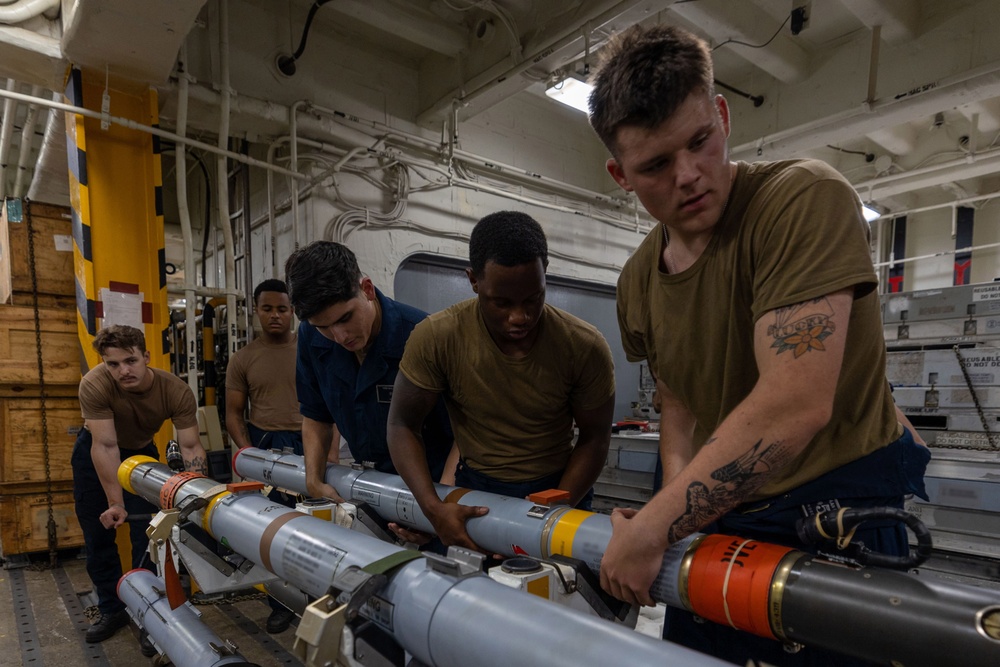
{"x":116,"y":192}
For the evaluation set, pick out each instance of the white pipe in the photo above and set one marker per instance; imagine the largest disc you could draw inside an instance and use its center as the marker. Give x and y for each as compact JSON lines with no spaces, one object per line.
{"x":6,"y":133}
{"x":293,"y":131}
{"x":190,"y":271}
{"x":222,"y":195}
{"x":943,"y":253}
{"x":474,"y":160}
{"x":604,"y":12}
{"x":26,"y":9}
{"x":132,"y":125}
{"x":932,"y":207}
{"x":199,"y":290}
{"x":271,"y":225}
{"x":24,"y":149}
{"x":50,"y":145}
{"x":976,"y":84}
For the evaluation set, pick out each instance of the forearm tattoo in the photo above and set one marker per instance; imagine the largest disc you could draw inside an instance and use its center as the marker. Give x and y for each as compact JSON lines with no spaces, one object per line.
{"x":197,"y":464}
{"x":736,"y":480}
{"x":802,"y":327}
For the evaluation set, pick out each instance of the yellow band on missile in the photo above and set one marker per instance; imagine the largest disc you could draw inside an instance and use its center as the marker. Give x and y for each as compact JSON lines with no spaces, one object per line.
{"x":126,"y":468}
{"x":206,"y":516}
{"x":565,"y":530}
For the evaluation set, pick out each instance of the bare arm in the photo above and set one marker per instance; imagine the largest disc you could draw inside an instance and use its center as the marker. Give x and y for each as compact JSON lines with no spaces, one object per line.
{"x":799,"y":351}
{"x":317,"y":443}
{"x":450,"y":467}
{"x":236,"y":425}
{"x":676,"y":433}
{"x":591,"y":450}
{"x":407,"y":412}
{"x":106,"y":458}
{"x":195,"y":458}
{"x":334,"y":455}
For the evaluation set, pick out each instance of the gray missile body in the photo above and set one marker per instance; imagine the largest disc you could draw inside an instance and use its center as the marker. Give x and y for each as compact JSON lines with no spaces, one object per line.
{"x":179,"y":633}
{"x":442,"y":619}
{"x":882,"y":615}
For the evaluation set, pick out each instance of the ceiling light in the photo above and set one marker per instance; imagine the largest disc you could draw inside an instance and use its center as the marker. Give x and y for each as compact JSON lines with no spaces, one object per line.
{"x":571,"y":92}
{"x":870,"y":212}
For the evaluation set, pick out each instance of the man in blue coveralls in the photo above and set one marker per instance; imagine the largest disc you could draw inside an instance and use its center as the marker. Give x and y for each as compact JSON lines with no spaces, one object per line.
{"x":350,"y":342}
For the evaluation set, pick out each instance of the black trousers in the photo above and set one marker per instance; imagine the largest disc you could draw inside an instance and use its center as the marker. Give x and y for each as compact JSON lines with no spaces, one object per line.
{"x":103,"y":563}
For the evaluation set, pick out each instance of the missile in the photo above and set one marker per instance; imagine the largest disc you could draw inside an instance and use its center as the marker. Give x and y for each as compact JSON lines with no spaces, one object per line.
{"x":177,"y":633}
{"x":440,"y":614}
{"x":881,"y":615}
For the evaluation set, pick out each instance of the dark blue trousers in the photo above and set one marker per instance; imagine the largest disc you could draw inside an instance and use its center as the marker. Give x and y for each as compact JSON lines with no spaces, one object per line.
{"x":881,"y":479}
{"x":470,"y":478}
{"x":103,"y":563}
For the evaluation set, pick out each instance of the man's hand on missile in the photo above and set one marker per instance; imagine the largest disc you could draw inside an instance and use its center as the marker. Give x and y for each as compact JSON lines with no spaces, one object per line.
{"x":449,"y":523}
{"x":632,"y":560}
{"x":322,"y":490}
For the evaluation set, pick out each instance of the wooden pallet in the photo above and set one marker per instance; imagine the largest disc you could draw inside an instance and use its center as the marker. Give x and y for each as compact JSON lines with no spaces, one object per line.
{"x":24,"y":518}
{"x":21,"y":442}
{"x":52,"y":229}
{"x":60,"y":346}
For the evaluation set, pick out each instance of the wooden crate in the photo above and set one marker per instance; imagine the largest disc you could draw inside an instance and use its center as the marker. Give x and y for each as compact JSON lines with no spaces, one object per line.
{"x":52,"y":228}
{"x":24,"y":521}
{"x":60,"y":346}
{"x":21,"y":445}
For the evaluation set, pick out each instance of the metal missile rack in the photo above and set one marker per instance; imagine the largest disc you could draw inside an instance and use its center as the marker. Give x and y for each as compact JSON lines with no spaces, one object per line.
{"x":943,"y":363}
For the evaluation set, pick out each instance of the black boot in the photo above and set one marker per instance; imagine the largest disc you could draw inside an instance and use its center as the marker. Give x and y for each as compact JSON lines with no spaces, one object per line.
{"x":107,"y":625}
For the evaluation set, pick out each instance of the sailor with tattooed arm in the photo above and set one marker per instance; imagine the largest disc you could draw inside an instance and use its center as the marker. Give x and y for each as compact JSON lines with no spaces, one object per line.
{"x":755,"y":303}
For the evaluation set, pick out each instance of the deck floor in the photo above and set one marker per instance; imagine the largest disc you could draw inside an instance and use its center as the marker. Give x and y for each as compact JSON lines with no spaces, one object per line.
{"x":43,"y":618}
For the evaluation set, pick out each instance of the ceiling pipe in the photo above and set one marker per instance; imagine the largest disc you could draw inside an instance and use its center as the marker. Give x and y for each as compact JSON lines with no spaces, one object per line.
{"x":49,"y":183}
{"x":26,"y":9}
{"x":132,"y":125}
{"x":6,"y":133}
{"x":24,"y":148}
{"x":970,"y":166}
{"x":184,"y":215}
{"x":604,"y":12}
{"x":222,"y":194}
{"x":972,"y":86}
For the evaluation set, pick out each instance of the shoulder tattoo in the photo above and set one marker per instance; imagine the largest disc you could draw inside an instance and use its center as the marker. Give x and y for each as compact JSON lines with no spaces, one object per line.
{"x":802,"y":327}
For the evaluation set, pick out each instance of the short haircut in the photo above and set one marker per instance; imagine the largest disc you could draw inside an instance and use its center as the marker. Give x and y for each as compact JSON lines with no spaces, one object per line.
{"x":509,"y":238}
{"x":269,"y":285}
{"x":644,"y":75}
{"x":320,"y":275}
{"x":120,"y":336}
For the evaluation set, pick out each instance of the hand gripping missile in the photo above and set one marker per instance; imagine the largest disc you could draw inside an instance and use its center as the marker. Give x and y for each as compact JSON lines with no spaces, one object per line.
{"x":178,"y":633}
{"x":442,"y":618}
{"x":885,"y":616}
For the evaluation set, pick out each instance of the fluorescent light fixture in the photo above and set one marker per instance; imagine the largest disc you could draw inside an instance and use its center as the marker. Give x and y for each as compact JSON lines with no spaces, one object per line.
{"x":571,"y":92}
{"x":870,"y":212}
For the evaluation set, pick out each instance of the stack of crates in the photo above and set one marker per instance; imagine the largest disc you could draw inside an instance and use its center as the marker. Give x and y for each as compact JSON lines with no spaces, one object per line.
{"x":24,"y":492}
{"x":944,"y":365}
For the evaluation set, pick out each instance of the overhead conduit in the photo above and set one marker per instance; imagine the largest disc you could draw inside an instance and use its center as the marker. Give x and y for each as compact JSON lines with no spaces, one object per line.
{"x":22,"y":10}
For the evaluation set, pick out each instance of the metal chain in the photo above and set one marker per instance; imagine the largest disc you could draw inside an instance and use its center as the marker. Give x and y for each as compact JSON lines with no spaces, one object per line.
{"x":51,"y":525}
{"x":991,"y":442}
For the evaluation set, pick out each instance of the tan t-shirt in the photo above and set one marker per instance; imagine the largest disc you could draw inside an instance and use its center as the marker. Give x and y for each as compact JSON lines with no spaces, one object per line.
{"x":137,"y":416}
{"x":513,"y":418}
{"x":792,"y":231}
{"x":266,"y":374}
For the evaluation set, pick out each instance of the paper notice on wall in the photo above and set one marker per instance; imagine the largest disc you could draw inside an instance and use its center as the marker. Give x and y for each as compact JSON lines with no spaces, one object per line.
{"x":122,"y":308}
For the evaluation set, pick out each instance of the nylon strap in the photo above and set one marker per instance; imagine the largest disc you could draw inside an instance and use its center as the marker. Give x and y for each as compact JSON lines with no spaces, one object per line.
{"x":392,"y":561}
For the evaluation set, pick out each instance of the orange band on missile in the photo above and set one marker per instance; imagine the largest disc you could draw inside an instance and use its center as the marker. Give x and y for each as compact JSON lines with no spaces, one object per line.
{"x":456,"y":494}
{"x":169,"y":488}
{"x":730,"y":582}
